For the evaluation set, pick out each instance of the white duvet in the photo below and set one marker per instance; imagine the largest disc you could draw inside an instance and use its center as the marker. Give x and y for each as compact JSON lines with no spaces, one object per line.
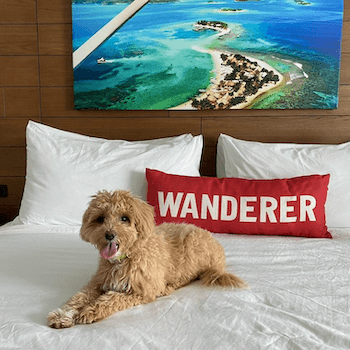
{"x":299,"y":296}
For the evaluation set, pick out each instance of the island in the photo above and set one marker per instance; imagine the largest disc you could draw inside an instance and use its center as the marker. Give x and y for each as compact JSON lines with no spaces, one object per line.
{"x":212,"y":25}
{"x":239,"y":80}
{"x":230,"y":10}
{"x":302,"y":2}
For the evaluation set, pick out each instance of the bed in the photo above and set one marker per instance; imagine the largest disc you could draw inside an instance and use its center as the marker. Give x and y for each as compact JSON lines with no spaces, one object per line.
{"x":299,"y":286}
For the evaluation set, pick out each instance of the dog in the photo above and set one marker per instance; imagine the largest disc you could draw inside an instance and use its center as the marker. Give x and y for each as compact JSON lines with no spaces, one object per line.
{"x":138,"y":260}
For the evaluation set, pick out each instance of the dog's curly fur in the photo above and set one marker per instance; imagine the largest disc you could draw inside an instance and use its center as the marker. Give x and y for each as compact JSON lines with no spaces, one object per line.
{"x":147,"y":261}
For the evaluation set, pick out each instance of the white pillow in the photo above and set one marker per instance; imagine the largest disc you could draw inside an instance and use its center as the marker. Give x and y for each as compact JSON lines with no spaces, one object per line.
{"x":65,"y":169}
{"x":256,"y":160}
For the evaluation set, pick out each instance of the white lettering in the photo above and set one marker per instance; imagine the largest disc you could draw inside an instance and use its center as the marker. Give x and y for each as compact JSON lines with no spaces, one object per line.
{"x":245,"y":209}
{"x":213,"y":208}
{"x":169,"y":203}
{"x":225,"y":215}
{"x":307,"y":209}
{"x":189,"y":206}
{"x":285,"y":209}
{"x":267,"y":207}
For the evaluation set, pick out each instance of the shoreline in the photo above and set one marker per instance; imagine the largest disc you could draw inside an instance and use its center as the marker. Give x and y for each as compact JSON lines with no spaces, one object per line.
{"x":223,"y":93}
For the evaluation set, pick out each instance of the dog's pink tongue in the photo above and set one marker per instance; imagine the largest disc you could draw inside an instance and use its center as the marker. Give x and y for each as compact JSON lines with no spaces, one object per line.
{"x":109,"y":251}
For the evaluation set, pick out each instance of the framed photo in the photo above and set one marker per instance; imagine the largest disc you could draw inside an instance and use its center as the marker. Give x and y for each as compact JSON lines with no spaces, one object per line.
{"x":209,"y":54}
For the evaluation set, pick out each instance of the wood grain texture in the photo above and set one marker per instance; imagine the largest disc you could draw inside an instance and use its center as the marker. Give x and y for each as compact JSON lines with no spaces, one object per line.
{"x":19,"y":71}
{"x":2,"y":102}
{"x":18,"y":40}
{"x":55,"y":39}
{"x":12,"y":161}
{"x":127,"y":128}
{"x":15,"y":187}
{"x":298,"y":129}
{"x":20,"y":11}
{"x":56,"y":71}
{"x":346,"y":37}
{"x":22,"y":102}
{"x":13,"y":132}
{"x":54,"y":11}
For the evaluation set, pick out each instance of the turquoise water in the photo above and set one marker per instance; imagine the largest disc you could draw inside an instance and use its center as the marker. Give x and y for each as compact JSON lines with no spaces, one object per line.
{"x":152,"y":63}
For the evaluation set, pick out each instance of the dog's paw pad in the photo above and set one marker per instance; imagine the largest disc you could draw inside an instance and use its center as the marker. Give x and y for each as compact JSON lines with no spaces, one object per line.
{"x":60,"y":319}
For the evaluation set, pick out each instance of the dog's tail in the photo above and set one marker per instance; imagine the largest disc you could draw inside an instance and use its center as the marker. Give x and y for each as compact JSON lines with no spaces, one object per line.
{"x":213,"y":277}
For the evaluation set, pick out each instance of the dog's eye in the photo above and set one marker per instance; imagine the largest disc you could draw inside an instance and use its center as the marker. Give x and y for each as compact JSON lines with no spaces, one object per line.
{"x":100,"y":219}
{"x":125,"y":219}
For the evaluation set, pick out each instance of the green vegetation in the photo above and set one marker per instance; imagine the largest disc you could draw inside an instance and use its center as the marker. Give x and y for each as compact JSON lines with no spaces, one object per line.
{"x":302,"y":2}
{"x":215,"y":24}
{"x":231,"y":10}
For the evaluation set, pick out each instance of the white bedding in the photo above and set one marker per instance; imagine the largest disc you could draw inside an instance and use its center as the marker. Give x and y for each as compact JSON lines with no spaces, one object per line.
{"x":299,"y":296}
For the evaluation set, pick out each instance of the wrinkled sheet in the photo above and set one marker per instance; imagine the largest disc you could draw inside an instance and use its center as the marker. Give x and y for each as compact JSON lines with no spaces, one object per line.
{"x":299,"y":296}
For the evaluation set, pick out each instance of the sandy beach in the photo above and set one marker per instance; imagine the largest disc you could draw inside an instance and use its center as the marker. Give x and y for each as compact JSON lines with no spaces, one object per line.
{"x":222,"y":91}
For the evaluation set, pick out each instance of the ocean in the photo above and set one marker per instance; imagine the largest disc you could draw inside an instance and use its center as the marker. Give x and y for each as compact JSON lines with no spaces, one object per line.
{"x":152,"y":63}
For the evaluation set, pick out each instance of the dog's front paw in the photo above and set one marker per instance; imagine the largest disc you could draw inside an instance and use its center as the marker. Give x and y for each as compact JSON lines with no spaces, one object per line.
{"x":60,"y":319}
{"x":87,"y":316}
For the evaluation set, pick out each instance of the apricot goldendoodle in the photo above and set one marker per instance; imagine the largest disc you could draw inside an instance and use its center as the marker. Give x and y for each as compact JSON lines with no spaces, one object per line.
{"x":138,"y":260}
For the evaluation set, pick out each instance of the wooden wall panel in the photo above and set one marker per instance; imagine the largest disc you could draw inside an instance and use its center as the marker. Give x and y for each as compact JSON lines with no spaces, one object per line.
{"x":15,"y":41}
{"x":15,"y":190}
{"x":128,"y":128}
{"x":36,"y":83}
{"x":62,"y":75}
{"x":13,"y":131}
{"x":22,"y":102}
{"x":298,"y":129}
{"x":20,"y":11}
{"x":55,"y":39}
{"x":346,"y":37}
{"x":12,"y":161}
{"x":2,"y":102}
{"x":54,"y":11}
{"x":19,"y":71}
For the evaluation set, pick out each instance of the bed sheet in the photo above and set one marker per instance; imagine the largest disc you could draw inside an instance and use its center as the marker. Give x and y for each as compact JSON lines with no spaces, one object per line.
{"x":298,"y":296}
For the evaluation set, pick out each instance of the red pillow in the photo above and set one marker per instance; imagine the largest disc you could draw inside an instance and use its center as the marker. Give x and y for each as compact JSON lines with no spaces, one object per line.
{"x":287,"y":207}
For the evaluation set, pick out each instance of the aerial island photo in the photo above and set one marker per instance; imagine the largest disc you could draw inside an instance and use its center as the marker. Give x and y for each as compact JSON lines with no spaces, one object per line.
{"x":210,"y":54}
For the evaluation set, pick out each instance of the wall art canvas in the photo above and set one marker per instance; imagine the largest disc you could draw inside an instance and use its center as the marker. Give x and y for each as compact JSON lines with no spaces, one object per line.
{"x":209,"y":54}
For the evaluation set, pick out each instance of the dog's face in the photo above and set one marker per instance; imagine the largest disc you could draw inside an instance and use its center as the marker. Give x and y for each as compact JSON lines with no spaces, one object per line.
{"x":114,"y":221}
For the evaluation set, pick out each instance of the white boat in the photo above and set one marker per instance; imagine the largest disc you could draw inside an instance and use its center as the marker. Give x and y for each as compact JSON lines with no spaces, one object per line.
{"x":101,"y":60}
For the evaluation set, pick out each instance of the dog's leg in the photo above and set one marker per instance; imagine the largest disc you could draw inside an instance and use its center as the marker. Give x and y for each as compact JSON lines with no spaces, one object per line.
{"x":66,"y":316}
{"x":108,"y":304}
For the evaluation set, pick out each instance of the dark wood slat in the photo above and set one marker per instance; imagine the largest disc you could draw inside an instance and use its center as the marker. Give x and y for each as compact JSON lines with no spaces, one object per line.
{"x":20,"y":11}
{"x":127,"y":128}
{"x":299,"y":129}
{"x":12,"y":161}
{"x":15,"y":186}
{"x":22,"y":102}
{"x":54,"y":11}
{"x":19,"y":71}
{"x":13,"y":131}
{"x":55,"y":39}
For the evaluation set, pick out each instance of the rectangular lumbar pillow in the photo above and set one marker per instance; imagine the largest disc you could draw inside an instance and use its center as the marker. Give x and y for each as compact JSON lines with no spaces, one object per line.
{"x":287,"y":207}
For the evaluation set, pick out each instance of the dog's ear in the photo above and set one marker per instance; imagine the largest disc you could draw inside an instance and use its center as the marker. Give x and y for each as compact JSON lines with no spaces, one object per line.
{"x":143,"y":217}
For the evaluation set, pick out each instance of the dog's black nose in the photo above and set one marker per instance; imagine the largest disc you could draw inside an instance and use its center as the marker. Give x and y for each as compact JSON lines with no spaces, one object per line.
{"x":109,"y":236}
